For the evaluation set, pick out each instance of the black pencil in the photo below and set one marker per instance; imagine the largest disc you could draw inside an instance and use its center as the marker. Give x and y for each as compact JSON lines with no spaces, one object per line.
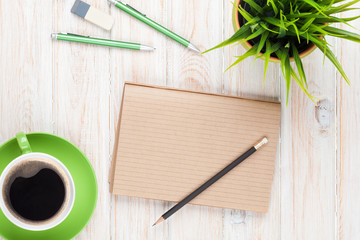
{"x":212,"y":180}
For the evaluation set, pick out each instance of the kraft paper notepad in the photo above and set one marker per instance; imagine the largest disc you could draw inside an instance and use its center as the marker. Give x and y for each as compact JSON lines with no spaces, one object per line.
{"x":171,"y":141}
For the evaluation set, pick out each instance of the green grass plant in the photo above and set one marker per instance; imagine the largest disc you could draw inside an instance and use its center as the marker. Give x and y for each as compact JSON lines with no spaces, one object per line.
{"x":281,"y":28}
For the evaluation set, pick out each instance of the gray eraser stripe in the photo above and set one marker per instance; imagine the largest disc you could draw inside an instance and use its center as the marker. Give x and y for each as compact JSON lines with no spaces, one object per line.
{"x":80,"y":8}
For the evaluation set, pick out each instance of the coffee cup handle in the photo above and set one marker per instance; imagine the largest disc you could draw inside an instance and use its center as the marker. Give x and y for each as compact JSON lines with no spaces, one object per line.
{"x":23,"y":143}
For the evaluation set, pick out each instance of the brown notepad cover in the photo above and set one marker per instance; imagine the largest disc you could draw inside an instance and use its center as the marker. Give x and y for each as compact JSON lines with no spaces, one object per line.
{"x":170,"y":141}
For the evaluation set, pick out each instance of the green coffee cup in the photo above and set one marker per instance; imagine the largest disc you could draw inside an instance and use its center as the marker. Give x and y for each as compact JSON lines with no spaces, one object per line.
{"x":24,"y":156}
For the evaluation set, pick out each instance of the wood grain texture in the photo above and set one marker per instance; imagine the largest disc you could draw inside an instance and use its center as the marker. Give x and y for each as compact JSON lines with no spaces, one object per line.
{"x":308,"y":156}
{"x":75,"y":90}
{"x":348,"y":140}
{"x":25,"y":68}
{"x":81,"y":104}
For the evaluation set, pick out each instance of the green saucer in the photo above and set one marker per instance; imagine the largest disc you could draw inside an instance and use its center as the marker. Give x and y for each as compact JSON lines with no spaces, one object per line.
{"x":84,"y":180}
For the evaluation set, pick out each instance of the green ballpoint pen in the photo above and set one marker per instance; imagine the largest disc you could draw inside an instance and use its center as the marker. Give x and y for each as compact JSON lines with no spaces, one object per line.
{"x":70,"y":37}
{"x":142,"y":17}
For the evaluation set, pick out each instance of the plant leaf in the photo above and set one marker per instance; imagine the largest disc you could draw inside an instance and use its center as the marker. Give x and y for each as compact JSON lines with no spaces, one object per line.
{"x":255,"y":34}
{"x":239,"y":35}
{"x":274,"y":7}
{"x":262,"y":42}
{"x":275,"y":22}
{"x":315,"y":5}
{"x":307,"y":24}
{"x":330,"y":55}
{"x":255,"y":6}
{"x":253,"y":21}
{"x":250,"y":52}
{"x":299,"y":64}
{"x":286,"y":69}
{"x":340,"y":8}
{"x":296,"y":31}
{"x":332,"y":19}
{"x":297,"y":80}
{"x":342,"y":33}
{"x":244,"y":13}
{"x":268,"y":29}
{"x":267,"y":58}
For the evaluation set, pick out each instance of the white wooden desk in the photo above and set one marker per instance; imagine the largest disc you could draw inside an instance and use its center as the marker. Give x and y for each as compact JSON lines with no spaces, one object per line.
{"x":74,"y":91}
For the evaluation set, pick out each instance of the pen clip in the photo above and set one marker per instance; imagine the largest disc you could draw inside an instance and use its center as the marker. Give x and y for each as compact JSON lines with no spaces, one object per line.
{"x":73,"y":34}
{"x":135,"y":10}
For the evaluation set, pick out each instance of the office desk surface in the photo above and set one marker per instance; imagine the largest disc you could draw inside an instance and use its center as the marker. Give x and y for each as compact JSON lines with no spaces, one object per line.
{"x":74,"y":91}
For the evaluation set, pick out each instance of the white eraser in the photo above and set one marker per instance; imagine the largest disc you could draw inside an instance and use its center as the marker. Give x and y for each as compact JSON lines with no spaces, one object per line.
{"x":92,"y":15}
{"x":99,"y":18}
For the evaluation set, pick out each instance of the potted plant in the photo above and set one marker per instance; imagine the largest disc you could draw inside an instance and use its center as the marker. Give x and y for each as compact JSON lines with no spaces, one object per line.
{"x":288,"y":30}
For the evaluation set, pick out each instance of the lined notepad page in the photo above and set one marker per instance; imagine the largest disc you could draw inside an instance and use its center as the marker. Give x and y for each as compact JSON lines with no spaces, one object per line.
{"x":172,"y":141}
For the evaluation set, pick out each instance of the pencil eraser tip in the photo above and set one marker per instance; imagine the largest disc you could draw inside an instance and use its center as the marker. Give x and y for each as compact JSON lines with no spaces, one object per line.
{"x":261,"y":143}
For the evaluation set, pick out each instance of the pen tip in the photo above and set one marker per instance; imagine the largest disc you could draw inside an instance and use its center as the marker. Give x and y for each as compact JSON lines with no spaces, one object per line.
{"x":53,"y":36}
{"x":194,"y":48}
{"x":146,"y":48}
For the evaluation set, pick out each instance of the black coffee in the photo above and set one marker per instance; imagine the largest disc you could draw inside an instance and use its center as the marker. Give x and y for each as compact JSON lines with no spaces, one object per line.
{"x":39,"y":197}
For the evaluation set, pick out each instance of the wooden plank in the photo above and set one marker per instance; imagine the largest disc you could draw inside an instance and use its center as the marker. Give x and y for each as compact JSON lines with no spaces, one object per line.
{"x":131,"y":218}
{"x":25,"y":67}
{"x":308,"y":155}
{"x":81,"y":96}
{"x":186,"y":68}
{"x":246,"y":79}
{"x":200,"y":22}
{"x":348,"y":138}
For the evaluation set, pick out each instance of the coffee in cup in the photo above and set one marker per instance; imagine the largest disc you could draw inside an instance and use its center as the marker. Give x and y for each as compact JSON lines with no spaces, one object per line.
{"x":37,"y":190}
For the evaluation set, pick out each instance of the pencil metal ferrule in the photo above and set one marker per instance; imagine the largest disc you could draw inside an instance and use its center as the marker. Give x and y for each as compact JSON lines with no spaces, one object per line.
{"x":261,"y":143}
